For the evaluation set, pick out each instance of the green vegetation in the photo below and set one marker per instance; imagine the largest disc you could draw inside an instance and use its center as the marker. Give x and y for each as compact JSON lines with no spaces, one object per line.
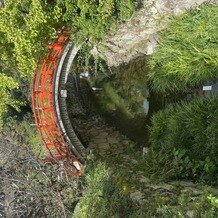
{"x":7,"y":83}
{"x":184,"y":141}
{"x":91,"y":19}
{"x":187,"y":54}
{"x":106,"y":195}
{"x":183,"y":137}
{"x":102,"y":197}
{"x":125,"y":9}
{"x":25,"y":26}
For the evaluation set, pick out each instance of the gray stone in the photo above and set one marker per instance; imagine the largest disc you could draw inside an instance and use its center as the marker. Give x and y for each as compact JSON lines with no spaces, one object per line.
{"x":134,"y":161}
{"x":136,"y":196}
{"x":104,"y":146}
{"x":93,"y":133}
{"x":144,"y":151}
{"x":99,"y":140}
{"x":112,"y":140}
{"x":144,"y":180}
{"x":103,"y":134}
{"x":190,"y":213}
{"x":92,"y":145}
{"x":162,"y":186}
{"x":183,"y":183}
{"x":193,"y":191}
{"x":117,"y":150}
{"x":138,"y":36}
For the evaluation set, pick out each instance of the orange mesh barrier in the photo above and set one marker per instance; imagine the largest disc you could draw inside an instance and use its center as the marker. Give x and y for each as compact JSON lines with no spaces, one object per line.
{"x":44,"y":111}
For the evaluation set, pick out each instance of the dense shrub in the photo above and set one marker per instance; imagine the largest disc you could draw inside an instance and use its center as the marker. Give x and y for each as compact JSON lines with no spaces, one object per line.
{"x":106,"y":194}
{"x":6,"y":84}
{"x":92,"y":18}
{"x":187,"y":54}
{"x":101,"y":196}
{"x":25,"y":27}
{"x":184,"y":142}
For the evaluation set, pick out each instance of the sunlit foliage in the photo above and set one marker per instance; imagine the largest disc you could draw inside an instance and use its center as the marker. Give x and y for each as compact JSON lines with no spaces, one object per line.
{"x":187,"y":54}
{"x":25,"y":26}
{"x":184,"y":142}
{"x":91,"y":19}
{"x":6,"y":84}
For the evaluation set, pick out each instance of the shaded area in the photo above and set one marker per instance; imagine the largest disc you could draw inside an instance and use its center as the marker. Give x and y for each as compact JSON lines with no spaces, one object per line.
{"x":122,"y":95}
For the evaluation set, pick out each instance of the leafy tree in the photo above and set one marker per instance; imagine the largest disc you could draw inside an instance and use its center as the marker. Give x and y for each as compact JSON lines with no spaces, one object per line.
{"x":92,"y":18}
{"x":6,"y":84}
{"x":187,"y":54}
{"x":25,"y":26}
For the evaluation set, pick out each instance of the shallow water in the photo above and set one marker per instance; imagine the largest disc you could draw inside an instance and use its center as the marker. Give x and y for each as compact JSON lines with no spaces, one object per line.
{"x":123,"y":98}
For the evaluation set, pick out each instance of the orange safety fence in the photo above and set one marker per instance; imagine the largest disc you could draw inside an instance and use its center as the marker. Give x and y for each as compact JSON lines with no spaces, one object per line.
{"x":44,"y":108}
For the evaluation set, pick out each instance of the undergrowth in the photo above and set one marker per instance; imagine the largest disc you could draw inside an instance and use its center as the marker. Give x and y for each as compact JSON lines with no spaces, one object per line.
{"x":20,"y":125}
{"x":105,"y":195}
{"x":184,"y":141}
{"x":36,"y":189}
{"x":101,"y":196}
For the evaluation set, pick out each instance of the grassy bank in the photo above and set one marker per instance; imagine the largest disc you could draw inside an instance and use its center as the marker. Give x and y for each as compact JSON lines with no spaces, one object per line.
{"x":187,"y":54}
{"x":184,"y":141}
{"x":106,"y":194}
